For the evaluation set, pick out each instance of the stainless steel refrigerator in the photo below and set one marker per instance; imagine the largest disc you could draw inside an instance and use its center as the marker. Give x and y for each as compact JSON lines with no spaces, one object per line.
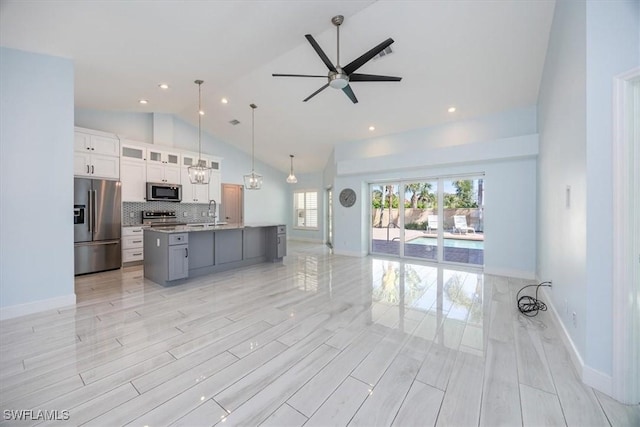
{"x":96,"y":225}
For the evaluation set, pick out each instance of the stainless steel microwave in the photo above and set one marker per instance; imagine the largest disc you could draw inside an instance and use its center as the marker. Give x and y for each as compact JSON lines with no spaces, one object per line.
{"x":164,"y":192}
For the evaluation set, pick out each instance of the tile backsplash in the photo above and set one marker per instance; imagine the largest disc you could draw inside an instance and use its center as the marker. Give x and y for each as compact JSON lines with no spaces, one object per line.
{"x":185,"y":212}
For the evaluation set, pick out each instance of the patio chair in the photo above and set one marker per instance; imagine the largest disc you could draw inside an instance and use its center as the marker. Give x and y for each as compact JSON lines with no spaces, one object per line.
{"x":432,"y":223}
{"x":460,"y":224}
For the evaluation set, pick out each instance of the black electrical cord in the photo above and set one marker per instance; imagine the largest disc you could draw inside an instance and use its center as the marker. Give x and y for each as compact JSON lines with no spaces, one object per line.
{"x":530,"y":306}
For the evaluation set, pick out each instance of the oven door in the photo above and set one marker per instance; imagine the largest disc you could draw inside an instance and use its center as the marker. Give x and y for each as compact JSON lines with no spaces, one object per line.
{"x":164,"y":192}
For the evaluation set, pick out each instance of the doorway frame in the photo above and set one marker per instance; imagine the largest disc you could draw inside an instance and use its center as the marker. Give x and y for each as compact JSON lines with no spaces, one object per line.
{"x":626,"y":244}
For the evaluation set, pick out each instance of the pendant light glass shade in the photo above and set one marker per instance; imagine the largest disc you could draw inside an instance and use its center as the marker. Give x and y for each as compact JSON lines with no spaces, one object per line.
{"x":291,"y":179}
{"x":199,"y":173}
{"x":253,"y":181}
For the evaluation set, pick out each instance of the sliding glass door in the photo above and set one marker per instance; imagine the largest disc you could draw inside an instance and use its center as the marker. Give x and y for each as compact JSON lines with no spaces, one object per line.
{"x":421,"y":220}
{"x":463,"y":216}
{"x":440,"y":219}
{"x":385,"y":218}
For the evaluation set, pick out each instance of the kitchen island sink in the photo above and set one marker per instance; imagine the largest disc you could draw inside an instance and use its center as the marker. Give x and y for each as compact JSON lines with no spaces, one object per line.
{"x":173,"y":255}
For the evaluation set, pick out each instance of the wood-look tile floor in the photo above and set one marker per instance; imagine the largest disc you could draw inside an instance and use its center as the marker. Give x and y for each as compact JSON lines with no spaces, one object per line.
{"x":317,"y":340}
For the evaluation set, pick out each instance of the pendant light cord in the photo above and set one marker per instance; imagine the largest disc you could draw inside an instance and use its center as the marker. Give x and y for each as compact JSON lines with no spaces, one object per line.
{"x":199,"y":83}
{"x":253,"y":132}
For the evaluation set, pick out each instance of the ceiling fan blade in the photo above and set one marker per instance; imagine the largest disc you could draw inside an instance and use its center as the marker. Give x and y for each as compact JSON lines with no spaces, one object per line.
{"x":349,"y":92}
{"x":296,"y":75}
{"x":315,"y":93}
{"x":320,"y":52}
{"x":356,"y":77}
{"x":363,"y":59}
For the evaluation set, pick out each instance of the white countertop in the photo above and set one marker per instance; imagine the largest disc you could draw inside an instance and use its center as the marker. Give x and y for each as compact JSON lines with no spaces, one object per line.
{"x":197,"y":227}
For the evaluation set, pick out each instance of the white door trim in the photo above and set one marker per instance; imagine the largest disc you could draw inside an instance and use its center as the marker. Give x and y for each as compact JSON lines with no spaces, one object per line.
{"x":626,"y":244}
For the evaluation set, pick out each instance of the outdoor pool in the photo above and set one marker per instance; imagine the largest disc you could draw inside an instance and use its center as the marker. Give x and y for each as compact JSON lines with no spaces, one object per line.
{"x":449,"y":243}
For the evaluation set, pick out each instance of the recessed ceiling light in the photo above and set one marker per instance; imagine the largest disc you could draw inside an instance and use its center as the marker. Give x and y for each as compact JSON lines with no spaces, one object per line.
{"x":452,"y":109}
{"x":163,"y":86}
{"x":201,"y":112}
{"x":224,"y":100}
{"x":372,"y":128}
{"x":143,"y":101}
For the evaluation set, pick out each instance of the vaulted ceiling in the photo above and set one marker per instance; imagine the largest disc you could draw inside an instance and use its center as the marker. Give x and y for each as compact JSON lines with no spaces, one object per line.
{"x":482,"y":57}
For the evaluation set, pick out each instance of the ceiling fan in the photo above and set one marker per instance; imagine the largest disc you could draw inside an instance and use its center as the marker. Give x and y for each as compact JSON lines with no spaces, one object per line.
{"x":339,"y":77}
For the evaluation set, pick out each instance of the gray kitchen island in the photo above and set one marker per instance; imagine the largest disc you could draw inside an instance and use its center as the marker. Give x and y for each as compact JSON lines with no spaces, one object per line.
{"x":173,"y":255}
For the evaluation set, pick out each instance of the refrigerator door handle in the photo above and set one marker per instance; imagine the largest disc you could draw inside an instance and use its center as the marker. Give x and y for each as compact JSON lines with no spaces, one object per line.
{"x":93,"y":209}
{"x":90,"y":209}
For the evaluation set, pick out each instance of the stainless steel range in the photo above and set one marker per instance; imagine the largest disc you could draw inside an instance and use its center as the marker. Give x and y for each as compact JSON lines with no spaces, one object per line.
{"x":160,"y":219}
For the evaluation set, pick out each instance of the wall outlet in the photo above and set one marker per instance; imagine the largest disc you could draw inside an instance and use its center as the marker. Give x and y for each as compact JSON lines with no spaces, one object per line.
{"x":204,"y":214}
{"x":158,"y":242}
{"x":184,"y":214}
{"x":132,"y":215}
{"x":574,"y":319}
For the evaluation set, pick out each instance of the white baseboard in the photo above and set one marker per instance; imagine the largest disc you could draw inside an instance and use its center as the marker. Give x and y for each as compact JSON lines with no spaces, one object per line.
{"x":304,"y":239}
{"x":350,"y":253}
{"x":17,"y":310}
{"x":591,"y":377}
{"x":574,"y":354}
{"x":519,"y":274}
{"x":598,"y":380}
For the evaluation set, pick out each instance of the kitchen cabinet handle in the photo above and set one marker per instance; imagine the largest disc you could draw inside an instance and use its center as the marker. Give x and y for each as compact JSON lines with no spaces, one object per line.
{"x":186,"y":250}
{"x":88,"y":170}
{"x":138,"y":254}
{"x":136,"y":241}
{"x":92,"y":169}
{"x":136,"y":231}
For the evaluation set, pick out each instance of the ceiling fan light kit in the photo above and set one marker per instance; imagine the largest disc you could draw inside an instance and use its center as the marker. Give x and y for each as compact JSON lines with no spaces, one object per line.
{"x":339,"y":77}
{"x":253,"y":180}
{"x":199,"y":173}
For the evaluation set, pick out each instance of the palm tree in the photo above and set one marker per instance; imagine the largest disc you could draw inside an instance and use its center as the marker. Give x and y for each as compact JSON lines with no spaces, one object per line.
{"x":420,"y":192}
{"x":464,"y":193}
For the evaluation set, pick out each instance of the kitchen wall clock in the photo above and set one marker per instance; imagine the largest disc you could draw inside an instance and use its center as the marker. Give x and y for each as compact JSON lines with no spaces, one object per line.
{"x":347,"y":197}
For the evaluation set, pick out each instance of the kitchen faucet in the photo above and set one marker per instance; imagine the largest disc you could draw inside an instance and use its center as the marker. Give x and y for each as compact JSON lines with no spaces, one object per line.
{"x":215,"y":208}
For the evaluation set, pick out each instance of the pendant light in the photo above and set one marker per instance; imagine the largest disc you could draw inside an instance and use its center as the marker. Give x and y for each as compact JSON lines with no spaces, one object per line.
{"x":199,"y":173}
{"x":291,"y":179}
{"x":253,"y":181}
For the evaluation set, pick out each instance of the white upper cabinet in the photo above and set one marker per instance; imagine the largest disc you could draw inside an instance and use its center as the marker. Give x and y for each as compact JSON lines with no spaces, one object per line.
{"x":163,"y":157}
{"x":132,"y":152}
{"x":96,"y":155}
{"x":96,"y":144}
{"x":133,"y":171}
{"x":215,"y":181}
{"x":133,"y":175}
{"x":163,"y":166}
{"x":192,"y":193}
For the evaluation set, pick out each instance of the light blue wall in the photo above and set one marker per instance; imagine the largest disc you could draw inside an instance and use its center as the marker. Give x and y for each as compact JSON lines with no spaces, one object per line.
{"x":613,"y":31}
{"x":590,"y":43}
{"x":562,"y":162}
{"x":270,"y":204}
{"x":503,"y":147}
{"x":36,"y":174}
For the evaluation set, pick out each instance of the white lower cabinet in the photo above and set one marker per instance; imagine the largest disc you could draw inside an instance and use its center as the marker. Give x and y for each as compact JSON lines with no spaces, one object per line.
{"x":132,"y":244}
